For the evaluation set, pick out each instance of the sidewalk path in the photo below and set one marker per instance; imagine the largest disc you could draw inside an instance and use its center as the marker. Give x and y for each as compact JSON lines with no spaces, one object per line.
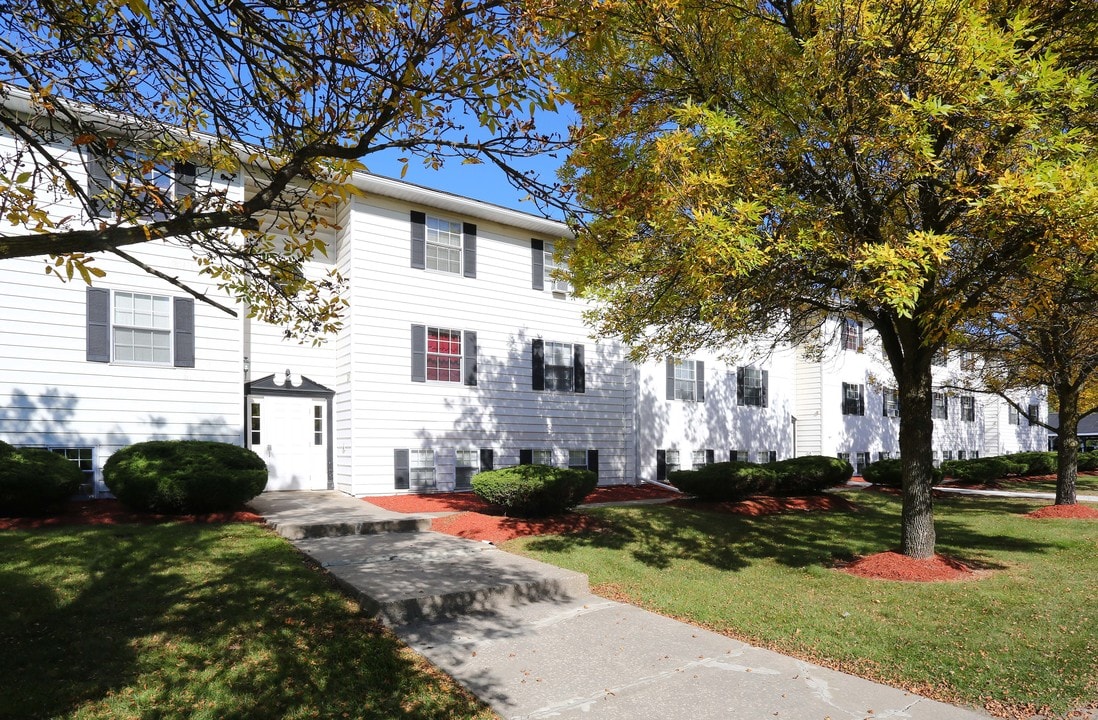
{"x":530,"y":640}
{"x":990,"y":493}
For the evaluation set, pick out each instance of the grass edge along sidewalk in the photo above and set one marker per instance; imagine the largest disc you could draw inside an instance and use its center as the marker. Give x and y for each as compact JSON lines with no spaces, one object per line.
{"x":196,"y":621}
{"x":1018,"y":639}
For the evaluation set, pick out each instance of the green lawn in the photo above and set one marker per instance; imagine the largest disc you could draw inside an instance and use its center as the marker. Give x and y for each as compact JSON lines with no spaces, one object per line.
{"x":1026,"y":634}
{"x":1084,"y":485}
{"x":185,"y":621}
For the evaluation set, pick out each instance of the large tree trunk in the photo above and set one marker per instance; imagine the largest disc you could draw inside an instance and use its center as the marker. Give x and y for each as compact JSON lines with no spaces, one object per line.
{"x":916,"y":437}
{"x":1067,"y":435}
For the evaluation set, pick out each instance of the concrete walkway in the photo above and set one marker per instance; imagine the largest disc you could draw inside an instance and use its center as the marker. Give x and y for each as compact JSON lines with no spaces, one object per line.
{"x":530,"y":639}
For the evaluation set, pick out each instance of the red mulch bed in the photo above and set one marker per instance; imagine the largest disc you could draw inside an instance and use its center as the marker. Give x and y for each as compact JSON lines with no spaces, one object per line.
{"x":468,"y":502}
{"x":1075,"y":512}
{"x":496,"y":529}
{"x":766,"y":505}
{"x":892,"y":565}
{"x":111,"y":512}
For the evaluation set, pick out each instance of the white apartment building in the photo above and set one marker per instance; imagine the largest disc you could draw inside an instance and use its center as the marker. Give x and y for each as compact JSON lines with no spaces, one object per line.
{"x":460,"y":352}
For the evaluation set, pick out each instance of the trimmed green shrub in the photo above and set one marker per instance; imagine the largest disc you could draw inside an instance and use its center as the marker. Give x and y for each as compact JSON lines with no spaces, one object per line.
{"x":534,"y":490}
{"x":1088,"y":460}
{"x":810,"y":474}
{"x":889,"y":473}
{"x":1036,"y":463}
{"x":184,"y":476}
{"x":982,"y":470}
{"x":725,"y":481}
{"x":34,"y":480}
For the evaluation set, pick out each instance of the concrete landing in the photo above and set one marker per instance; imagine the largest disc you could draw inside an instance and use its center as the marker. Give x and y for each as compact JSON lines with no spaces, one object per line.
{"x":326,"y":513}
{"x":594,"y":659}
{"x":404,"y":577}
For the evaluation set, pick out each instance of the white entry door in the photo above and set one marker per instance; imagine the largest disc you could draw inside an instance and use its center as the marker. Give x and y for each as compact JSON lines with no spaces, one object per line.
{"x":291,"y":435}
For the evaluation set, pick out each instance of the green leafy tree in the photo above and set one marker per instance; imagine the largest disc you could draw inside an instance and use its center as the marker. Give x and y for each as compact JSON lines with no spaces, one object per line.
{"x":295,"y":95}
{"x":753,"y":168}
{"x":1042,"y":331}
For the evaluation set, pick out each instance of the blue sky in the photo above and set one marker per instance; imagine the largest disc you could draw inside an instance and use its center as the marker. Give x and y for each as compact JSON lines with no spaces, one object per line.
{"x":480,"y":182}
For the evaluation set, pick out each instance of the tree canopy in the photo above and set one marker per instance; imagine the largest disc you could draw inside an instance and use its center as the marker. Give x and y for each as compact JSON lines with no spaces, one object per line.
{"x":750,"y":168}
{"x":295,"y":95}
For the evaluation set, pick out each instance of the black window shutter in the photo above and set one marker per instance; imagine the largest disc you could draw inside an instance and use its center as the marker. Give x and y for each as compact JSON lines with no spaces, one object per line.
{"x":487,"y":459}
{"x":884,"y":402}
{"x":184,"y":331}
{"x":670,"y":379}
{"x":526,"y":457}
{"x":578,"y":374}
{"x":469,"y":348}
{"x":699,"y":377}
{"x":469,"y":242}
{"x":861,"y":399}
{"x":419,"y":239}
{"x":537,"y":264}
{"x":537,"y":359}
{"x":98,"y":325}
{"x":846,"y":403}
{"x":741,"y":386}
{"x":709,"y":457}
{"x":661,"y":464}
{"x":731,"y":456}
{"x":419,"y":353}
{"x":764,"y":392}
{"x":401,"y":471}
{"x":593,"y":461}
{"x":773,"y":456}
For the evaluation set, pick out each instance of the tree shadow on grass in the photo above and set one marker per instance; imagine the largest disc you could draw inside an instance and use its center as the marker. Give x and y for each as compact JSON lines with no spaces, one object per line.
{"x":188,"y":621}
{"x":658,"y":536}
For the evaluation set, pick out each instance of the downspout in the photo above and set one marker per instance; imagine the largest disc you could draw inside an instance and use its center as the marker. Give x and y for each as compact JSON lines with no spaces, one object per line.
{"x":793,"y":420}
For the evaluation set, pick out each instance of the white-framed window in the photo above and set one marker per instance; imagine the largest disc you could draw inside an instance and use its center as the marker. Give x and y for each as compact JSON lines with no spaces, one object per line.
{"x":701,"y":458}
{"x":444,"y":244}
{"x":686,"y":380}
{"x":577,"y":459}
{"x":884,"y":455}
{"x":421,"y":468}
{"x":740,"y":456}
{"x":466,"y":465}
{"x":947,"y":455}
{"x":559,"y":367}
{"x":968,"y":408}
{"x":84,"y":457}
{"x":139,"y":188}
{"x":890,"y":397}
{"x":318,"y":425}
{"x":142,"y":328}
{"x":255,"y":412}
{"x":935,"y":460}
{"x":844,"y":456}
{"x":751,"y":387}
{"x":939,"y":406}
{"x":763,"y":457}
{"x":962,"y":454}
{"x":443,"y":355}
{"x":852,"y":335}
{"x":543,"y":456}
{"x":551,"y":280}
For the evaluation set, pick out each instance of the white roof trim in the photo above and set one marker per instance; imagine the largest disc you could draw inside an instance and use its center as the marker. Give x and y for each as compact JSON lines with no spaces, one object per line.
{"x":437,"y":199}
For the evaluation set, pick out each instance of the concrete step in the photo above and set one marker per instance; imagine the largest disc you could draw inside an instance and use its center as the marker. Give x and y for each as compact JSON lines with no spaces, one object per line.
{"x":299,"y":515}
{"x":429,"y":576}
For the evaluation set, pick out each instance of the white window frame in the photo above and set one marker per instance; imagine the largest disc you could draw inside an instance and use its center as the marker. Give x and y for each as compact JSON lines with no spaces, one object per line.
{"x":542,"y":456}
{"x":686,"y":380}
{"x":577,"y":458}
{"x":137,"y":329}
{"x":452,"y":334}
{"x":466,"y":462}
{"x":672,"y":459}
{"x":558,"y":376}
{"x":698,"y":459}
{"x":444,"y":245}
{"x":1014,"y":416}
{"x":939,"y":406}
{"x":968,"y":408}
{"x":84,"y":456}
{"x":754,"y":389}
{"x":852,"y":335}
{"x":550,"y":282}
{"x":853,"y":399}
{"x":891,"y":399}
{"x":421,"y":469}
